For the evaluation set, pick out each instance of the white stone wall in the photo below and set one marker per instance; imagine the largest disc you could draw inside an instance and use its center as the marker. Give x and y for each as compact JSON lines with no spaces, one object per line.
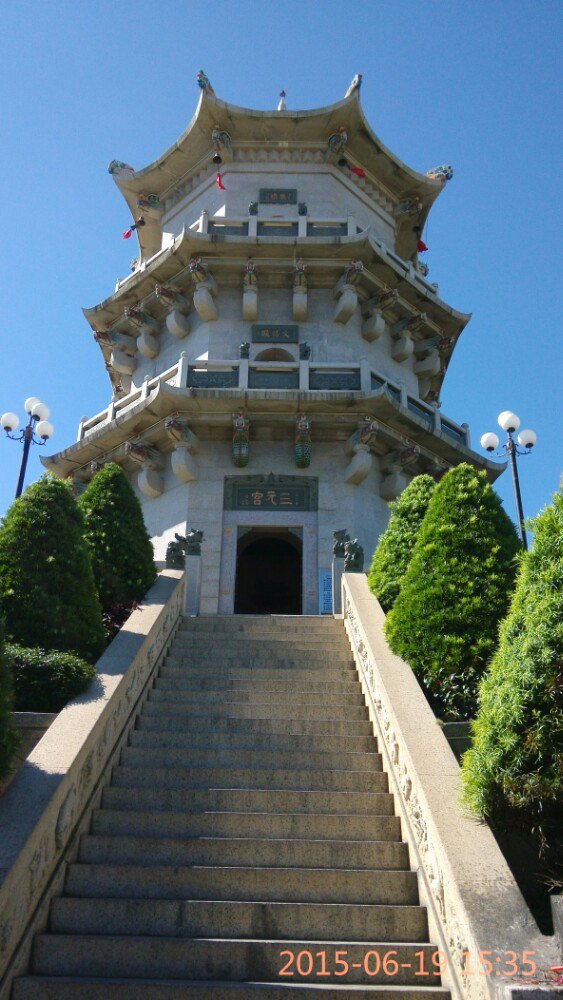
{"x":359,"y":509}
{"x":326,"y":191}
{"x":329,"y":341}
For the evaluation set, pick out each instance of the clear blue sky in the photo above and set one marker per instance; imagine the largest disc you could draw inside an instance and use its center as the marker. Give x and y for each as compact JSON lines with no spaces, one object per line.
{"x":466,"y":82}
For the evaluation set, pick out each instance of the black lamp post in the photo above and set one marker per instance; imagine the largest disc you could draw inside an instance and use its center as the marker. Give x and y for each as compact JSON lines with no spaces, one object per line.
{"x":527,"y":439}
{"x":37,"y":430}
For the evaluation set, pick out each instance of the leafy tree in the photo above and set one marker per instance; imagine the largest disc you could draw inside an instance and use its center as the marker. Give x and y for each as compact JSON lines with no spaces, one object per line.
{"x":121,"y":550}
{"x":10,"y":738}
{"x":46,"y":584}
{"x":45,"y":681}
{"x":392,"y":555}
{"x":516,"y":760}
{"x":455,"y":591}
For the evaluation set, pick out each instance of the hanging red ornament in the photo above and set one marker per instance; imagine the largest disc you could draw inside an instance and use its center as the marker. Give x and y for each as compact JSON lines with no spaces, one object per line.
{"x":421,"y":247}
{"x":126,"y":234}
{"x":358,"y":171}
{"x":219,"y":182}
{"x":136,"y":225}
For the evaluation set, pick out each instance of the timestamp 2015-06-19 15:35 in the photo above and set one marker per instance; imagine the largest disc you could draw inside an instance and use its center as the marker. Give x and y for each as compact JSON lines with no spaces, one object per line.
{"x":387,"y":964}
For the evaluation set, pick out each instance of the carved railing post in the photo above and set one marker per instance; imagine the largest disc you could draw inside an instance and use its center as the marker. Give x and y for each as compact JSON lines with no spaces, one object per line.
{"x":205,"y":289}
{"x":359,"y":447}
{"x":149,"y":480}
{"x":178,"y":307}
{"x":392,"y":467}
{"x":346,"y":292}
{"x":250,"y":292}
{"x":186,"y":444}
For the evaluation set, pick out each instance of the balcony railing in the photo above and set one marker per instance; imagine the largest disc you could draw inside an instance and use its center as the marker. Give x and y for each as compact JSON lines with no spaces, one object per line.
{"x":304,"y":376}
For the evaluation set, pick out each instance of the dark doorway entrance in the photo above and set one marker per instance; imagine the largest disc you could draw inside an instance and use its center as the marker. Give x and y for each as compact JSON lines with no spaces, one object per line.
{"x":269,"y":574}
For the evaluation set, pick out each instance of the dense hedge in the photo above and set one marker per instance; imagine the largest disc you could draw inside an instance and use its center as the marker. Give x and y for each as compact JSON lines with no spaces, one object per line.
{"x":516,"y":760}
{"x":45,"y":681}
{"x":455,"y":591}
{"x":46,"y":584}
{"x":395,"y":546}
{"x":120,"y":548}
{"x":9,"y":737}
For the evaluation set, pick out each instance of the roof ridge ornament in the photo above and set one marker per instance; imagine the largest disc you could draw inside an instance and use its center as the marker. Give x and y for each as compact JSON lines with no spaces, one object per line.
{"x":204,"y":83}
{"x":355,"y":85}
{"x":282,"y":106}
{"x":443,"y":173}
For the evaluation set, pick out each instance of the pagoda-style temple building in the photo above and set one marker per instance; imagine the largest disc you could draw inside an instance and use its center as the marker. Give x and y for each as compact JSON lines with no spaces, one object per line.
{"x":276,"y":355}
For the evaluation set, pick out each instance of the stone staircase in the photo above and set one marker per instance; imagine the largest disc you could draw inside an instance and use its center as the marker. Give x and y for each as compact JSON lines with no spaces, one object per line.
{"x":248,"y":828}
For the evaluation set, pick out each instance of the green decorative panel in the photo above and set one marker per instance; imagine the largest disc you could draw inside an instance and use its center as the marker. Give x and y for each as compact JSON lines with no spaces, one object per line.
{"x":347,"y":381}
{"x":219,"y":230}
{"x":267,"y":333}
{"x":277,"y":196}
{"x":271,"y":493}
{"x":376,"y":382}
{"x":275,"y":229}
{"x":273,"y":380}
{"x":200,"y":378}
{"x":420,"y":411}
{"x":314,"y":230}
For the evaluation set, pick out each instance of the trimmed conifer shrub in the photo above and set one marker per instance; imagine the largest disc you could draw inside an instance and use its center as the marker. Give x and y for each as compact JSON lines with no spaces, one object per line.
{"x":516,"y":760}
{"x":394,"y":550}
{"x":10,"y":738}
{"x":47,"y":588}
{"x":455,"y":591}
{"x":45,"y":681}
{"x":120,"y":548}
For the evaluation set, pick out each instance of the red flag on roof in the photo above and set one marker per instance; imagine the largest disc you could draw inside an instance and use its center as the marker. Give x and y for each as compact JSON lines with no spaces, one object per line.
{"x":421,"y":247}
{"x":358,"y":171}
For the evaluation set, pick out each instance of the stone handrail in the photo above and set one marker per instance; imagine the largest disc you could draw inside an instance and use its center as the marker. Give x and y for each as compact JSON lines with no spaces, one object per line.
{"x":49,"y":802}
{"x":474,"y":904}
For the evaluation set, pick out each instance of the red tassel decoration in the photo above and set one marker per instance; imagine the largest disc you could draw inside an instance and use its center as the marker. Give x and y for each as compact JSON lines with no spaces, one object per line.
{"x":126,"y":234}
{"x":219,"y":182}
{"x":358,"y":171}
{"x":421,"y":247}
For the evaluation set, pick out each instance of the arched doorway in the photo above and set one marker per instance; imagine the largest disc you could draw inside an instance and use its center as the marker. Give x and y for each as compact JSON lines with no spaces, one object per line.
{"x":269,"y":573}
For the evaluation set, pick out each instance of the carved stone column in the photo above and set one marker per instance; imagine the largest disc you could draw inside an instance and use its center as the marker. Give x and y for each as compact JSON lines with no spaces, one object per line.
{"x":346,"y":292}
{"x":178,"y":307}
{"x":300,"y":291}
{"x":392,"y":466}
{"x":250,"y":293}
{"x":206,"y":289}
{"x":186,"y":445}
{"x":359,"y":447}
{"x":303,"y":445}
{"x":149,"y":480}
{"x":241,"y":436}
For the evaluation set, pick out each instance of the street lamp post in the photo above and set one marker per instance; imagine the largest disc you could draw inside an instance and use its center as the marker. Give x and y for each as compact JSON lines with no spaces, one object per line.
{"x":527,"y":439}
{"x":37,"y":430}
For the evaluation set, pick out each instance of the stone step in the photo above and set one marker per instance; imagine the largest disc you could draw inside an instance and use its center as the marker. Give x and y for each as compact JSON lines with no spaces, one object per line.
{"x":141,"y":776}
{"x":248,"y":800}
{"x":254,"y":724}
{"x":284,"y":885}
{"x":202,"y":918}
{"x":321,"y":826}
{"x":269,"y":711}
{"x":179,"y":735}
{"x":315,"y":675}
{"x":242,"y":648}
{"x":168,"y":755}
{"x":257,"y":693}
{"x":258,"y":658}
{"x":281,"y":640}
{"x":58,"y":988}
{"x":219,"y":684}
{"x":206,"y":958}
{"x":324,"y":625}
{"x":270,"y":701}
{"x":239,"y":852}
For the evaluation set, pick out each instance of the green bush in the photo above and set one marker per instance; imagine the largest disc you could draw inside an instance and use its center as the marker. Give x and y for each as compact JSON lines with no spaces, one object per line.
{"x":121,"y":550}
{"x":516,"y":760}
{"x":392,"y":555}
{"x":44,"y":681}
{"x":455,"y":591}
{"x":10,"y":738}
{"x":47,"y":588}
